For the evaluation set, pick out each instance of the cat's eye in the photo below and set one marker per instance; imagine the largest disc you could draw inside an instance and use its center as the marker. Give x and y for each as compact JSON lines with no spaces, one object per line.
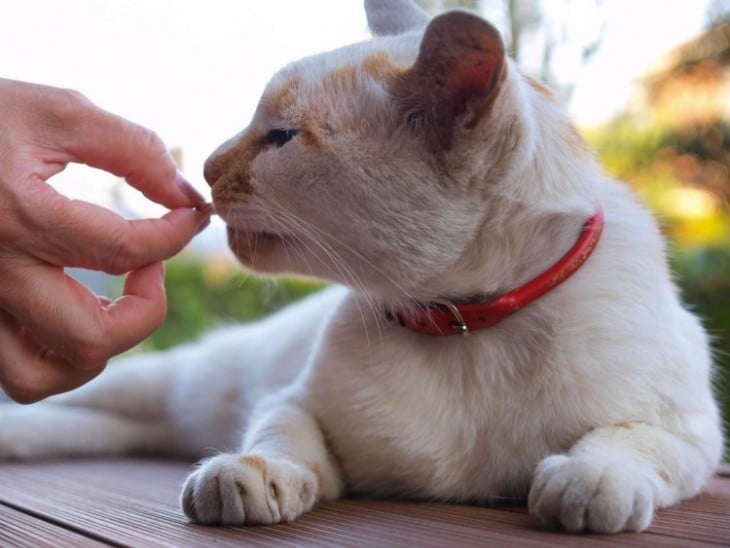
{"x":280,"y":137}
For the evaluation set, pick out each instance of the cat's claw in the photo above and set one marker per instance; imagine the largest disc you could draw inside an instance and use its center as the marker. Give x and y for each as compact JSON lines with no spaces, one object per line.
{"x":583,"y":494}
{"x":233,"y":489}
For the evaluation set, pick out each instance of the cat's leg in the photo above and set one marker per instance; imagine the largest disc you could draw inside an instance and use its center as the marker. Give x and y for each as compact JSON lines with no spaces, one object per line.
{"x":48,"y":430}
{"x":615,"y":478}
{"x":284,"y":468}
{"x":125,"y":409}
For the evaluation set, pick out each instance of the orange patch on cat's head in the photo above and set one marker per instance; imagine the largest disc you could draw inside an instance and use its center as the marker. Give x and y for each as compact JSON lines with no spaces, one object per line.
{"x":343,"y":80}
{"x":381,"y":67}
{"x":283,"y":97}
{"x":281,"y":102}
{"x":349,"y":78}
{"x":227,"y":170}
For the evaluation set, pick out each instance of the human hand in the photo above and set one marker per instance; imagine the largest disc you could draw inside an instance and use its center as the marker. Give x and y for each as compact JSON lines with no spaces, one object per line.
{"x":55,"y":334}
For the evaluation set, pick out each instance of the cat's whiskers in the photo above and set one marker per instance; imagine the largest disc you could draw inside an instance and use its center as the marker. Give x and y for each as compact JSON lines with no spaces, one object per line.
{"x":303,"y":234}
{"x":305,"y":229}
{"x":375,"y":308}
{"x":327,"y":236}
{"x":236,"y":242}
{"x":298,"y":242}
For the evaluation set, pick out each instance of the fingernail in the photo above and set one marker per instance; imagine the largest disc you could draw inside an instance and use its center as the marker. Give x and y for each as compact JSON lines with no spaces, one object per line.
{"x":203,"y":225}
{"x":190,"y":192}
{"x":208,"y":209}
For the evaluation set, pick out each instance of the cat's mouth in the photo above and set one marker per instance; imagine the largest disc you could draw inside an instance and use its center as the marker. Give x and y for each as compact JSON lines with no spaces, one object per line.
{"x":242,"y":236}
{"x":266,"y":251}
{"x":254,"y":245}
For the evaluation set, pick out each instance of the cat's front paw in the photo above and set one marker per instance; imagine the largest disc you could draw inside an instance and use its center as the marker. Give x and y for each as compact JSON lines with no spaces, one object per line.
{"x":232,"y":489}
{"x":580,"y":494}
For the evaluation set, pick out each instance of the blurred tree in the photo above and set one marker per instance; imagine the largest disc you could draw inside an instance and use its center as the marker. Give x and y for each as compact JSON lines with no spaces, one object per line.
{"x":689,"y":96}
{"x":202,"y":295}
{"x":539,"y":32}
{"x":673,"y":145}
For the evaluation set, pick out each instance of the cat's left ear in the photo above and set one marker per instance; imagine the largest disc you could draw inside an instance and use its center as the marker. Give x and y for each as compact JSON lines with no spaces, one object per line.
{"x":460,"y":67}
{"x":386,"y":17}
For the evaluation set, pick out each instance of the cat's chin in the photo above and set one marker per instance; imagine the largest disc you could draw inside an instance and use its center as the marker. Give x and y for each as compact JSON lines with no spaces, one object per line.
{"x":259,"y":250}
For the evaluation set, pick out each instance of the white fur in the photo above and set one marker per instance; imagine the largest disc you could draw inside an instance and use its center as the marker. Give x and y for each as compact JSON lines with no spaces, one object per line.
{"x":393,"y":16}
{"x":594,"y":401}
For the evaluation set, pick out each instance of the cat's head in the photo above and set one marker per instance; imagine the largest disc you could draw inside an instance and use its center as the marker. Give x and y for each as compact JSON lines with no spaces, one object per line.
{"x":396,"y":164}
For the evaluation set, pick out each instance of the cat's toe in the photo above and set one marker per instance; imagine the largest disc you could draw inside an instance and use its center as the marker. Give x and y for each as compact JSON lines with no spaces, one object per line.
{"x":581,"y":494}
{"x":209,"y":495}
{"x":247,"y":489}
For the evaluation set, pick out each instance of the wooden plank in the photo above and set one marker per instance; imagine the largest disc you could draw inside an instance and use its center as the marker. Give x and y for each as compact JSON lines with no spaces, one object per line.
{"x":134,"y":501}
{"x":20,"y":530}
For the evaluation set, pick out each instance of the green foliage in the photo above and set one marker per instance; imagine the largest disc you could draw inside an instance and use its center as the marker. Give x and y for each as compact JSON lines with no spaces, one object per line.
{"x":203,"y":295}
{"x":626,"y":150}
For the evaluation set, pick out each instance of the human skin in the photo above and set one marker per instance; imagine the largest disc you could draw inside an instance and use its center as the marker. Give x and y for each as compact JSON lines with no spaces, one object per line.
{"x":55,"y":334}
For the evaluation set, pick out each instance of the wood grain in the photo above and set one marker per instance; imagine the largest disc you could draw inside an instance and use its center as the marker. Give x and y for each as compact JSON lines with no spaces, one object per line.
{"x":135,"y":502}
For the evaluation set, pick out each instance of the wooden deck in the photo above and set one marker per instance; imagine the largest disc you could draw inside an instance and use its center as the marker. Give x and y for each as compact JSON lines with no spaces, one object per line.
{"x":133,"y":502}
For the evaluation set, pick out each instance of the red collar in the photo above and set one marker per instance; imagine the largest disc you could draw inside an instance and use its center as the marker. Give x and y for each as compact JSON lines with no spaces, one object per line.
{"x":445,"y":318}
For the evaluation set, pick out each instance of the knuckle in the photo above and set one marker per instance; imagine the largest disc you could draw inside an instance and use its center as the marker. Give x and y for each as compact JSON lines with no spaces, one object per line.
{"x":90,"y":350}
{"x":152,"y":149}
{"x":25,"y":395}
{"x":147,"y":140}
{"x":120,"y":256}
{"x":152,"y":139}
{"x":74,"y":98}
{"x":90,"y":355}
{"x":22,"y":387}
{"x":70,"y":105}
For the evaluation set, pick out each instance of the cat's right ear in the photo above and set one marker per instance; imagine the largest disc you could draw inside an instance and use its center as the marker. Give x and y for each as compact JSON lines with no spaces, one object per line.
{"x":458,"y":73}
{"x":386,"y":17}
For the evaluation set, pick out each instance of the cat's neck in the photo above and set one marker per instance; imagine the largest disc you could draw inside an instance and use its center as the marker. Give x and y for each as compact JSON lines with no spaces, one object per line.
{"x":461,"y":316}
{"x":505,"y":258}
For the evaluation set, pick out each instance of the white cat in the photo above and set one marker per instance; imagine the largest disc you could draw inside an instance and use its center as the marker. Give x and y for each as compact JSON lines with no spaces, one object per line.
{"x":420,"y":168}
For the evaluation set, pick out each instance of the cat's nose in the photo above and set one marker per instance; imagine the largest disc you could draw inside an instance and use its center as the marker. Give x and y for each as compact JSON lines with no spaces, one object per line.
{"x":212,"y":169}
{"x":215,"y":165}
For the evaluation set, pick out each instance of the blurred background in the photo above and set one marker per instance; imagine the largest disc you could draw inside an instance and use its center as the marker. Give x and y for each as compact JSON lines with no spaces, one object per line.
{"x":647,"y":83}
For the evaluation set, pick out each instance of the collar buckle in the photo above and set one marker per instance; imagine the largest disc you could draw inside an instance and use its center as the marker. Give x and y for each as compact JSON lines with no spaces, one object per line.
{"x":460,"y":324}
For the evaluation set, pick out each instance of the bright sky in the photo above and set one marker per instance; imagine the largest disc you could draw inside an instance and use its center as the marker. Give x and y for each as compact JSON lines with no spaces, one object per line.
{"x":193,"y":70}
{"x":638,"y":32}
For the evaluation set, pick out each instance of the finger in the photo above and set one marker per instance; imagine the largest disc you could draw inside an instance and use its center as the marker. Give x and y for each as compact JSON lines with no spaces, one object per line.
{"x":79,"y":327}
{"x":30,"y":371}
{"x":79,"y":234}
{"x":139,"y":311}
{"x":139,"y":155}
{"x":109,"y":142}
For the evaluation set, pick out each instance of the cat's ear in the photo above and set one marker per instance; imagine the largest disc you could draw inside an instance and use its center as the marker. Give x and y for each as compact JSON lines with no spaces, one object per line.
{"x":387,"y":17}
{"x":460,"y":67}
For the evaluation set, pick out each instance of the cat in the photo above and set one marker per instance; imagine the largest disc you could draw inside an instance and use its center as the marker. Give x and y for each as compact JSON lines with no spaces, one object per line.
{"x":436,"y":183}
